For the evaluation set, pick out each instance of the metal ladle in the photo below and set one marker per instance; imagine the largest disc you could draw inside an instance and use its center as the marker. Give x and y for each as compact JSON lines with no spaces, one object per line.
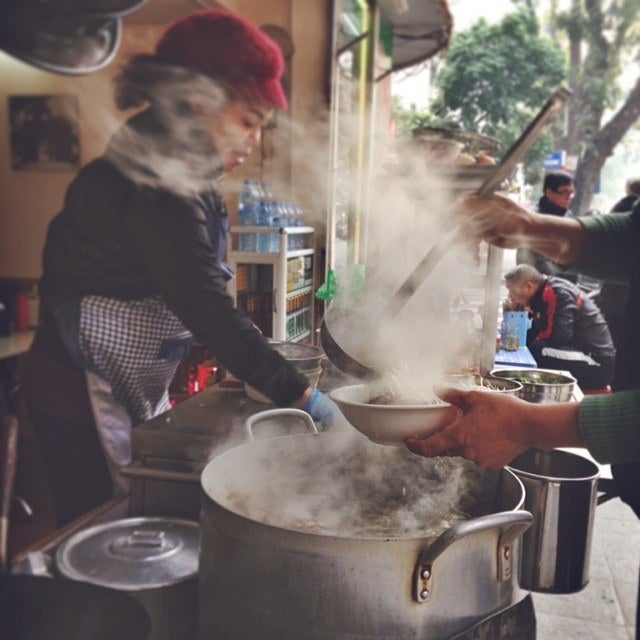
{"x":348,"y":364}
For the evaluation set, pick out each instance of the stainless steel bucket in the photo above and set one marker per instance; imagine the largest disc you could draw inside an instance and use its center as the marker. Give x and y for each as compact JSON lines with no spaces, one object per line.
{"x":561,"y":493}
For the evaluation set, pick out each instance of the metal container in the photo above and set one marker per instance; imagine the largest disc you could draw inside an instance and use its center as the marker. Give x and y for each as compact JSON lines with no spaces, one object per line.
{"x":275,"y":574}
{"x":490,"y":383}
{"x":539,"y":385}
{"x":154,"y":560}
{"x":561,"y":493}
{"x":304,"y":357}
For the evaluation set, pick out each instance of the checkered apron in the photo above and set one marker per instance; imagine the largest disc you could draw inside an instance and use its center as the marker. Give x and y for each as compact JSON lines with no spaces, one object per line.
{"x":135,"y":345}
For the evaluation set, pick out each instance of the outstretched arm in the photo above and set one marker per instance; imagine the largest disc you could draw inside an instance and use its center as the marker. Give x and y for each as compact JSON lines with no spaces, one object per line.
{"x":504,"y":223}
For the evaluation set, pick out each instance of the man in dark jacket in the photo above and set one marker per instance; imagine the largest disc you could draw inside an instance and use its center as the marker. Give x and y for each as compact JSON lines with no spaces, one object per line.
{"x":557,"y":192}
{"x":568,"y":331}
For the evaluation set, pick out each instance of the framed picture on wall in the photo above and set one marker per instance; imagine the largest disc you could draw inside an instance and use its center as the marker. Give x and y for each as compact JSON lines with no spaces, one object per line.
{"x":44,"y":132}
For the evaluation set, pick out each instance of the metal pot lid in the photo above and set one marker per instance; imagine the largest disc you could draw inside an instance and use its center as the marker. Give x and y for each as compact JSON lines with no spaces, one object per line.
{"x":56,"y":41}
{"x":132,"y":554}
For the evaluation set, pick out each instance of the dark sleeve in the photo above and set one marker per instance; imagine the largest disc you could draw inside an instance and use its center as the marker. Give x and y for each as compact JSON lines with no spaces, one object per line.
{"x":173,"y":242}
{"x":611,"y":243}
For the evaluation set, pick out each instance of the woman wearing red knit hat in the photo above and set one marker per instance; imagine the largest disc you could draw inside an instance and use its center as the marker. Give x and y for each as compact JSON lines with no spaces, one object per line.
{"x":132,"y":264}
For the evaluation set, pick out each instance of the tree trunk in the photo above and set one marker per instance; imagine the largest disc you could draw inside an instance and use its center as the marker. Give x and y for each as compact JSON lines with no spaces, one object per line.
{"x":604,"y":142}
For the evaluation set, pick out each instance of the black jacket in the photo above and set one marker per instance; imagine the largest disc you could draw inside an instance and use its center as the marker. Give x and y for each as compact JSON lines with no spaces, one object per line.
{"x":118,"y":239}
{"x":564,"y":317}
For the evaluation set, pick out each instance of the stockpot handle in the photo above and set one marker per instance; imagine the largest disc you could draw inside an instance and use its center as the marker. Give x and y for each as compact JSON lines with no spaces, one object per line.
{"x":510,"y":524}
{"x":303,"y":416}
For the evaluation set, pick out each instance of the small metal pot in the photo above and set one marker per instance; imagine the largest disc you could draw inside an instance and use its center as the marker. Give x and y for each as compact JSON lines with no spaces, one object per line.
{"x":153,"y":560}
{"x":561,"y":493}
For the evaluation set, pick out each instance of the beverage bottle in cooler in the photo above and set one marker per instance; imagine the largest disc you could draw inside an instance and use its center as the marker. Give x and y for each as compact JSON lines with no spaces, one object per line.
{"x":265,"y":219}
{"x":248,"y":214}
{"x":289,"y":221}
{"x":298,"y":222}
{"x":277,"y":221}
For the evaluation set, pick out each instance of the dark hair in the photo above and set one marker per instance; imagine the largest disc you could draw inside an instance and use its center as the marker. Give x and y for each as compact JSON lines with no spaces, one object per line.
{"x":556,"y":179}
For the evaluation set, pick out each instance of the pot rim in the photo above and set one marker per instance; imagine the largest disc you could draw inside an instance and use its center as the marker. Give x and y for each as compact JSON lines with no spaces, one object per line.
{"x":559,"y":479}
{"x":335,"y":537}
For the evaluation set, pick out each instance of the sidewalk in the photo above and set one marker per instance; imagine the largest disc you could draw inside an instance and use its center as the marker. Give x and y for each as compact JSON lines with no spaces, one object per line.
{"x":606,"y":607}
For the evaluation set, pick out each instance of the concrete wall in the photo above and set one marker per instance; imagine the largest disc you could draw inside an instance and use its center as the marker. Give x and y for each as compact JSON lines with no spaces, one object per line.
{"x":29,"y":199}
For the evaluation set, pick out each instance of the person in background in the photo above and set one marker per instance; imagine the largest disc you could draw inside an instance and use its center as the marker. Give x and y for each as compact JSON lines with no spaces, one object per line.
{"x":133,"y":263}
{"x":612,"y":298}
{"x":558,"y":189}
{"x":568,"y":332}
{"x":632,"y":188}
{"x":491,"y":429}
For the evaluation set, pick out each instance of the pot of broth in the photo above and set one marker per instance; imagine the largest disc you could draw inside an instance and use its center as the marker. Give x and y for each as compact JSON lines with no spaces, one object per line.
{"x":319,"y":535}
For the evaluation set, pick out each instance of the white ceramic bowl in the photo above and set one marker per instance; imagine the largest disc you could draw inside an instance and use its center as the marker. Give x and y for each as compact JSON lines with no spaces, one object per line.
{"x":389,"y":424}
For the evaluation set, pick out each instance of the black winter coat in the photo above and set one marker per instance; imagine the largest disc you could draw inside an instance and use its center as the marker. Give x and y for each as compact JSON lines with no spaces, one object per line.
{"x":118,"y":239}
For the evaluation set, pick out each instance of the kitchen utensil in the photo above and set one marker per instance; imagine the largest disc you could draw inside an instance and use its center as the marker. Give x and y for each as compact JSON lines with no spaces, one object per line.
{"x":54,"y":608}
{"x":540,"y":385}
{"x":351,"y":365}
{"x":304,"y":357}
{"x":57,"y":41}
{"x":318,"y":579}
{"x":490,"y":383}
{"x":152,"y":560}
{"x":390,"y":424}
{"x":561,"y":493}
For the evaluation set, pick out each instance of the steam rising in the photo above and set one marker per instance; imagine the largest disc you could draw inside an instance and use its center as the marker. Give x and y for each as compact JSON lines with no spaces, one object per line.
{"x":345,"y":486}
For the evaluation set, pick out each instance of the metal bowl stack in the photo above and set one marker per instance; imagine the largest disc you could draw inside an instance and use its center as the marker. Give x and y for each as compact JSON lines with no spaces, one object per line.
{"x":304,"y":357}
{"x":540,"y":385}
{"x":490,"y":383}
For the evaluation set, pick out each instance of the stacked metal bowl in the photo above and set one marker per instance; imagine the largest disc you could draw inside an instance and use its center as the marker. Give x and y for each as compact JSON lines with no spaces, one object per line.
{"x":540,"y":385}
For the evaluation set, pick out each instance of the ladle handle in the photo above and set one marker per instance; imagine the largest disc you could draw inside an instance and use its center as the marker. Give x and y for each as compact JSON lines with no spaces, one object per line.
{"x":8,"y":462}
{"x":555,"y":103}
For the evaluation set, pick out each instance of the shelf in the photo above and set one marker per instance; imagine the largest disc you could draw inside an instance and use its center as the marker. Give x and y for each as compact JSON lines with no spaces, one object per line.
{"x":275,"y":288}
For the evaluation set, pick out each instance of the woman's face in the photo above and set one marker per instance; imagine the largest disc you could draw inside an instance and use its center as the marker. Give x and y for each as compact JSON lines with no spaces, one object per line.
{"x":234,"y":129}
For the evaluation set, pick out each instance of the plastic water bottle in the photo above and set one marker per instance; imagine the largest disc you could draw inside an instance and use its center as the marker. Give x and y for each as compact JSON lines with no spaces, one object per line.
{"x":247,"y":214}
{"x":277,"y":221}
{"x":298,"y":222}
{"x":265,"y":218}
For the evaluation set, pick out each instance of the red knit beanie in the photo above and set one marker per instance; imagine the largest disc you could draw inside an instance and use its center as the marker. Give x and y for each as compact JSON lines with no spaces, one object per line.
{"x":222,"y":44}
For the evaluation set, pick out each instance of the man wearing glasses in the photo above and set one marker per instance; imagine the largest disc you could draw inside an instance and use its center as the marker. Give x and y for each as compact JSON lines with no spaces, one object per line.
{"x":557,"y":192}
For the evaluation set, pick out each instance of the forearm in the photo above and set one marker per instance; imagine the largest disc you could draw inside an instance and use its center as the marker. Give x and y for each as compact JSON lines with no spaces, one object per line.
{"x":547,"y":426}
{"x":557,"y":238}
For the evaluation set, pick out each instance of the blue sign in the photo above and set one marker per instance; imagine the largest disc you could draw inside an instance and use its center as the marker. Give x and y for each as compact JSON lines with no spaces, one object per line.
{"x":555,"y":160}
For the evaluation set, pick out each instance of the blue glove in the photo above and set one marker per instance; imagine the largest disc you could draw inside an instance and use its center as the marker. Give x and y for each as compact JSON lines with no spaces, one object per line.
{"x":320,"y":407}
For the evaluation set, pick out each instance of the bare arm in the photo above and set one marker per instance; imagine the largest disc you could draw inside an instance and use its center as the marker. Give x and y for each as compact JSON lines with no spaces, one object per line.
{"x":504,"y":223}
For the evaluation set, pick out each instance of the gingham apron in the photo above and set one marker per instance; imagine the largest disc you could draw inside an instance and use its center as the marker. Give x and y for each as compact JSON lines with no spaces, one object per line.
{"x":130,"y":349}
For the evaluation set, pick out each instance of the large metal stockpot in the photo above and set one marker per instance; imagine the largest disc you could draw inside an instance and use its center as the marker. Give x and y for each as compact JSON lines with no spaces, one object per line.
{"x":277,"y":561}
